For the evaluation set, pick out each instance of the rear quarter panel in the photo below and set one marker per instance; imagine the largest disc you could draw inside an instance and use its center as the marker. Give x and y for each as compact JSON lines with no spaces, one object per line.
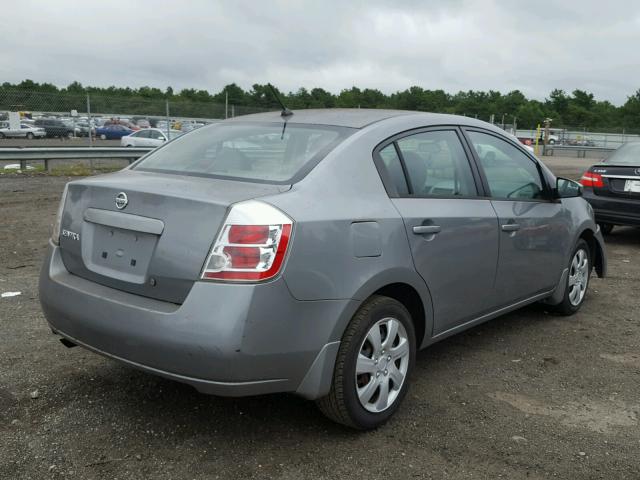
{"x":327,"y":258}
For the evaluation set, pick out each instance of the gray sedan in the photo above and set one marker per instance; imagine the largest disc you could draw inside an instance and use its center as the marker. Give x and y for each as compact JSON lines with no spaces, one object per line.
{"x":314,"y":252}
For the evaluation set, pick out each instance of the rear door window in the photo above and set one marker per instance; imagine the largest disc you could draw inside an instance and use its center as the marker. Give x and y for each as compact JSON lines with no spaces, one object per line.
{"x":437,"y":165}
{"x":263,"y":152}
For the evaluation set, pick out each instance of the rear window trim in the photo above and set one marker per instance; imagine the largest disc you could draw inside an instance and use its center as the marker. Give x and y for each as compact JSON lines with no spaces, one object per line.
{"x":343,"y":134}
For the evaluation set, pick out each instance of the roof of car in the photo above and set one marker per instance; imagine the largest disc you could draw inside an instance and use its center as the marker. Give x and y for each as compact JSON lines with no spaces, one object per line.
{"x":353,"y":117}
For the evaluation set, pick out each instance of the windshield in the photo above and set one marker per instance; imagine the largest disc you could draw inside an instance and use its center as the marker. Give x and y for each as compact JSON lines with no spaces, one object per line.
{"x":627,"y":154}
{"x":247,"y":151}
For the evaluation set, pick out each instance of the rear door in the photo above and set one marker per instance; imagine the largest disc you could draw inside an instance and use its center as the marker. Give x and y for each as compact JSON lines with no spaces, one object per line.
{"x":534,"y":229}
{"x":452,"y":230}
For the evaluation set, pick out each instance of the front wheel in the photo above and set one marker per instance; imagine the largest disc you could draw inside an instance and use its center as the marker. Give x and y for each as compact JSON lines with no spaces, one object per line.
{"x":374,"y":362}
{"x":577,"y":280}
{"x":30,"y":135}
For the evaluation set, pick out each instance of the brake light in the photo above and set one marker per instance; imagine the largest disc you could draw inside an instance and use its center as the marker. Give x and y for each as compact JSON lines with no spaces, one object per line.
{"x":252,"y":244}
{"x":593,"y":180}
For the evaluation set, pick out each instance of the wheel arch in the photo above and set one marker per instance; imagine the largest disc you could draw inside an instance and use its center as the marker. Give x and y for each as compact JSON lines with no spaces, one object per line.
{"x":405,"y":286}
{"x":596,"y":250}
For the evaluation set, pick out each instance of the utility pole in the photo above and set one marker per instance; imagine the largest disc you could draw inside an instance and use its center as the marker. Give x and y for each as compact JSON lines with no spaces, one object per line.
{"x":547,"y":123}
{"x":226,"y":104}
{"x":89,"y":121}
{"x":168,"y":123}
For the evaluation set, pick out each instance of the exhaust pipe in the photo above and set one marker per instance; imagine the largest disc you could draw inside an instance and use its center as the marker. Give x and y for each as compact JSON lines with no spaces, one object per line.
{"x":67,"y":343}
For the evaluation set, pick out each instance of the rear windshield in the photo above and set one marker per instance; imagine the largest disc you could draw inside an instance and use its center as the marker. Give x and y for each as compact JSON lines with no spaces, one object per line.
{"x":627,"y":154}
{"x":261,"y":152}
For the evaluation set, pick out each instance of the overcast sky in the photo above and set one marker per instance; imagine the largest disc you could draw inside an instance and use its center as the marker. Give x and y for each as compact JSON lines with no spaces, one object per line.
{"x":533,"y":46}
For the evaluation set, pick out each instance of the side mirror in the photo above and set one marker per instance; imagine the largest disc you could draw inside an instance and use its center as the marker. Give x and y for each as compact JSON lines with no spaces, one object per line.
{"x":566,"y":188}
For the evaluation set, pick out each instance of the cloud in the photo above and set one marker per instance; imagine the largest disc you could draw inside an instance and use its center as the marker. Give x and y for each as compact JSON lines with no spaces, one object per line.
{"x":454,"y":45}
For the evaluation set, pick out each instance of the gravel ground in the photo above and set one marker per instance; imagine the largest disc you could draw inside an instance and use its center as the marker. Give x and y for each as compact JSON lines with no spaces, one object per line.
{"x":528,"y":395}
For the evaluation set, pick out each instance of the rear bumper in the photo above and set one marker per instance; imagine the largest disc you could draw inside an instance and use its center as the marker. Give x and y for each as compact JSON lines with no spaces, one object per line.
{"x":619,"y":211}
{"x":230,"y":340}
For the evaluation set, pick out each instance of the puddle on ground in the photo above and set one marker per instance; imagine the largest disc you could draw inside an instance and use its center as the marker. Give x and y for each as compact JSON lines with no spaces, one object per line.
{"x":599,"y":416}
{"x":630,"y":359}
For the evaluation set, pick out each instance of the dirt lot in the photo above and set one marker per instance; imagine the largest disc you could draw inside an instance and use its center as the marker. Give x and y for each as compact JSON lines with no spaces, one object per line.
{"x":528,"y":395}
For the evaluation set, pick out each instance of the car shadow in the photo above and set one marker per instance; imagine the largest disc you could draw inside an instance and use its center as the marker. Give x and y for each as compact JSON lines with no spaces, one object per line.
{"x":177,"y":409}
{"x":623,"y":236}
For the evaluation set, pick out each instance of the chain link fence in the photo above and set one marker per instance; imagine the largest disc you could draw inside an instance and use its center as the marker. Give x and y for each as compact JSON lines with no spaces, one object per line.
{"x":84,"y":114}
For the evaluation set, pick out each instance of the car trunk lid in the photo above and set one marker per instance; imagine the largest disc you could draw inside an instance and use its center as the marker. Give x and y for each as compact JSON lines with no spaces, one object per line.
{"x":618,"y":180}
{"x":155,"y":241}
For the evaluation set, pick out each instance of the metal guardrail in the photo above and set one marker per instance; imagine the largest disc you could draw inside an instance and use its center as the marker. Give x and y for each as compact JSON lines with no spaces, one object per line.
{"x":581,"y":151}
{"x":46,"y":154}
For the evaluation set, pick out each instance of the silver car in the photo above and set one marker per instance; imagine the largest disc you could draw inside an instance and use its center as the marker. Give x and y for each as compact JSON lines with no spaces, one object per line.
{"x":313,"y":252}
{"x":25,"y":131}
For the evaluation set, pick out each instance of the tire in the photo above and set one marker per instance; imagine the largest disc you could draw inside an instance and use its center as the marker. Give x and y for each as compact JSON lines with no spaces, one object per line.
{"x":343,"y":404}
{"x":69,"y":134}
{"x":30,"y":135}
{"x":103,"y":137}
{"x":571,"y":302}
{"x":1,"y":135}
{"x":606,"y":228}
{"x":552,"y":141}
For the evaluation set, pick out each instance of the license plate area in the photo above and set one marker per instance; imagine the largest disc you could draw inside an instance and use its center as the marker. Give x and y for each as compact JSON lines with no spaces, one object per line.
{"x":632,"y":186}
{"x":116,"y":252}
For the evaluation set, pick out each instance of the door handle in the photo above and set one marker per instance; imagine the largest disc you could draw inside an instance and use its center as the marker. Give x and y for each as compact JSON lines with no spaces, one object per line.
{"x":426,"y":229}
{"x":510,"y":227}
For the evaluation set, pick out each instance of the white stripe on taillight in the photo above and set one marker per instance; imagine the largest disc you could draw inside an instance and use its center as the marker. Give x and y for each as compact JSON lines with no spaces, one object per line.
{"x":252,"y":244}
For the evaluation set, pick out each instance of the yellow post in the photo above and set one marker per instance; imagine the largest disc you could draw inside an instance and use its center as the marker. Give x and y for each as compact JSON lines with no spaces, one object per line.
{"x":537,"y":139}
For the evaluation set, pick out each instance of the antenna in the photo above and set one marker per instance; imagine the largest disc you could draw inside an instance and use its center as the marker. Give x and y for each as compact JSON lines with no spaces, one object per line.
{"x":285,"y":111}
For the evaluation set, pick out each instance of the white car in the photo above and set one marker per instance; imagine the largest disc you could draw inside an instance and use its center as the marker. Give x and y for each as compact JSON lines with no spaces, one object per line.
{"x":148,"y":137}
{"x":25,"y":131}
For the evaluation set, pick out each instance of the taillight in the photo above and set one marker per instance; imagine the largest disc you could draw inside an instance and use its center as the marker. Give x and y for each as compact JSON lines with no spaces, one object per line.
{"x":251,"y":246}
{"x":593,"y":180}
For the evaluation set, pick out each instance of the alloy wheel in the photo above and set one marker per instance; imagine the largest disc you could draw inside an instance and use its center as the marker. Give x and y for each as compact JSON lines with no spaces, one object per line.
{"x":382,"y":365}
{"x":578,"y":277}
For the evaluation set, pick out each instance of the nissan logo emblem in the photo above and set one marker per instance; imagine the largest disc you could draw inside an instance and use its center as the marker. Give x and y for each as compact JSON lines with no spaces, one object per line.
{"x":121,"y":200}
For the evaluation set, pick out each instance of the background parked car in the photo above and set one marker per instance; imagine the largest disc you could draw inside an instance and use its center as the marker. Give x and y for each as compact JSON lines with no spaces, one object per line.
{"x":148,"y":137}
{"x":25,"y":131}
{"x":54,"y":127}
{"x":612,"y":187}
{"x":113,"y":132}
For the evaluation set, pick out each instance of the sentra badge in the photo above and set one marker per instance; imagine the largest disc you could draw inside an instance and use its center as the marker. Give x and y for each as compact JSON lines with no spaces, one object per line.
{"x":72,"y":235}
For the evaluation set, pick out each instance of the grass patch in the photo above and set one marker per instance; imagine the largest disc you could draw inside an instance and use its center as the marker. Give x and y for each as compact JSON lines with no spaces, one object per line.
{"x":76,"y":170}
{"x":80,"y":170}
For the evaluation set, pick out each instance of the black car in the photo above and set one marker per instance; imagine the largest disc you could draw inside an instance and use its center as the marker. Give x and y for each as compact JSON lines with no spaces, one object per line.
{"x":612,"y":187}
{"x":54,"y":127}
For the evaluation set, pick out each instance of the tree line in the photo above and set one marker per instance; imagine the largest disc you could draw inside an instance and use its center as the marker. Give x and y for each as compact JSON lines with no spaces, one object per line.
{"x":578,"y":109}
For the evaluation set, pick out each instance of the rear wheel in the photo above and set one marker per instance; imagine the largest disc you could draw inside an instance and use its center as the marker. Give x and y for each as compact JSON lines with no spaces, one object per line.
{"x":577,"y":280}
{"x":606,"y":228}
{"x":1,"y":135}
{"x":375,"y":359}
{"x":30,"y":135}
{"x":103,"y":137}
